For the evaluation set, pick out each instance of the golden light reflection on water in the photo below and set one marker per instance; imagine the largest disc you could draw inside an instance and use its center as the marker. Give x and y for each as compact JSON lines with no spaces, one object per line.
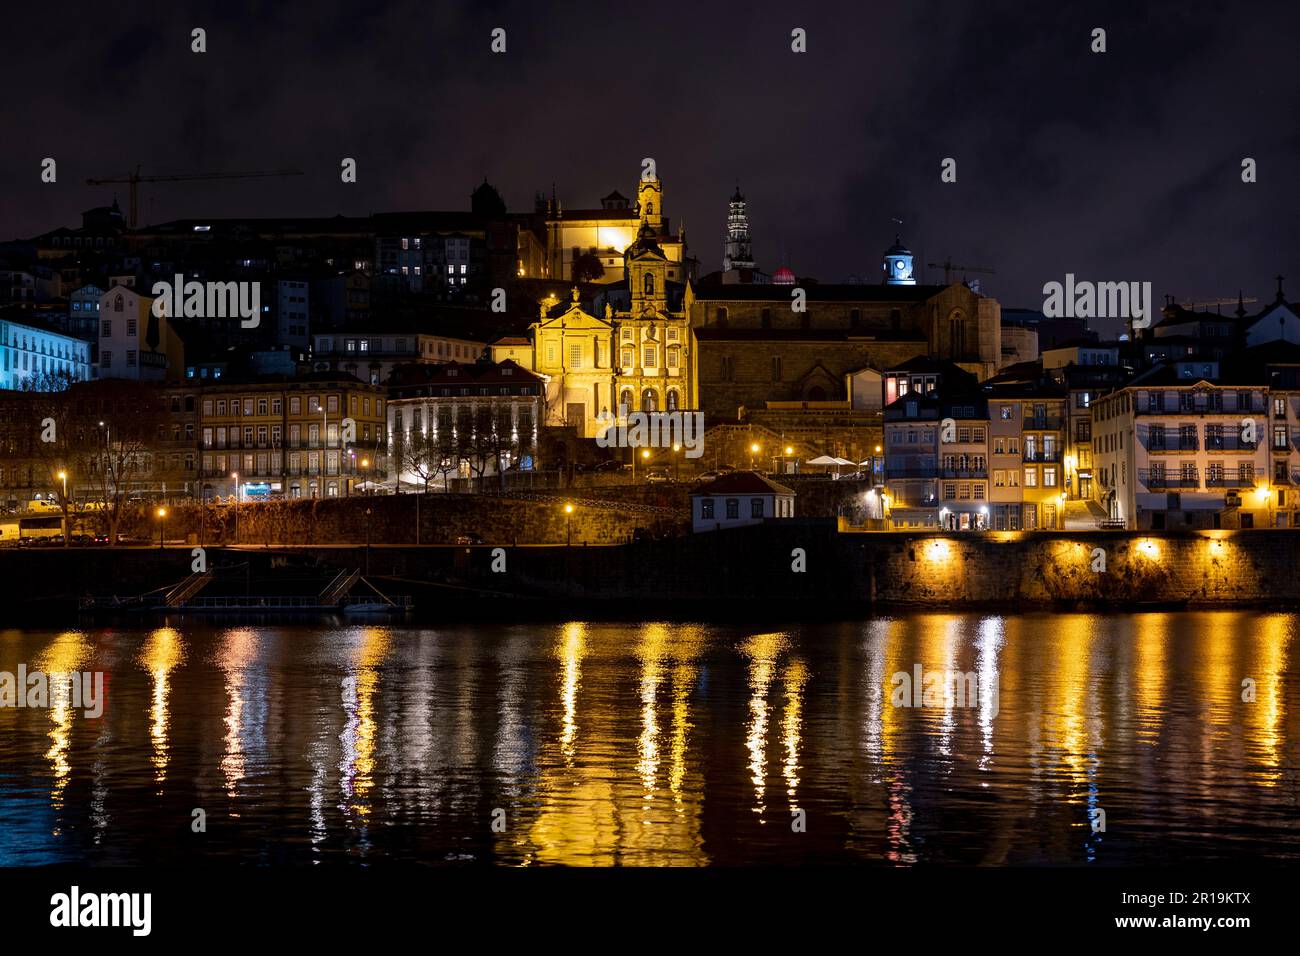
{"x":62,"y":661}
{"x":593,"y":807}
{"x":1269,"y":642}
{"x":571,"y":650}
{"x":793,"y":680}
{"x":667,"y":744}
{"x":238,"y":650}
{"x":360,"y":691}
{"x":762,"y":650}
{"x":1150,"y":672}
{"x":650,"y":651}
{"x":1065,"y":718}
{"x":162,"y":652}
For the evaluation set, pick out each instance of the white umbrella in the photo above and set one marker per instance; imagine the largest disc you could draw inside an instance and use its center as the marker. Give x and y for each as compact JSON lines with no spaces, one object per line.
{"x":824,"y":460}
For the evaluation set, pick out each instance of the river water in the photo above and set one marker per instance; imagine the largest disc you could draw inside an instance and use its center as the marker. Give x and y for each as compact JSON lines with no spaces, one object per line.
{"x":1089,"y":739}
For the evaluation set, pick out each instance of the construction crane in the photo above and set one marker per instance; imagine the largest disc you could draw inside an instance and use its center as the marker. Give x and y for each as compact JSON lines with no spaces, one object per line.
{"x":134,"y":179}
{"x":1215,"y":303}
{"x":949,"y":268}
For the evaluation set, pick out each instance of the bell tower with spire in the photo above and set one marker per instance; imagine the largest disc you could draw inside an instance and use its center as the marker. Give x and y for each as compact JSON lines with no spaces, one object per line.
{"x":736,"y":253}
{"x":650,"y":203}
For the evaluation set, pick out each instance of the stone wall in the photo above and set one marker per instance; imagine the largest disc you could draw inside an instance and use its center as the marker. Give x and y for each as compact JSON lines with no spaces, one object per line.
{"x":391,"y":519}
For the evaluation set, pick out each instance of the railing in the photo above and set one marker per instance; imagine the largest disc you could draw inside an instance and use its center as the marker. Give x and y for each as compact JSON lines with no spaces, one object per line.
{"x":1178,"y":444}
{"x":1043,"y":456}
{"x":963,"y":473}
{"x":930,"y":472}
{"x":1162,"y":481}
{"x":1048,"y":423}
{"x":1232,"y":442}
{"x":1229,"y":479}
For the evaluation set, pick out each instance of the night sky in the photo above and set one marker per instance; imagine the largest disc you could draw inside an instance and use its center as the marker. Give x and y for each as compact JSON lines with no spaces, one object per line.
{"x":1117,"y":166}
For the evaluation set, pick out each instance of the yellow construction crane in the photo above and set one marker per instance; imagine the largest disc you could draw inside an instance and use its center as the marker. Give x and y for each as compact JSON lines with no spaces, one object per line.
{"x":949,"y":268}
{"x":134,"y":179}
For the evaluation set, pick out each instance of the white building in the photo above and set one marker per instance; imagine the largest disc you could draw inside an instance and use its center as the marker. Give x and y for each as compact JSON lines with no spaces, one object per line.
{"x":1176,"y":450}
{"x":737,"y":499}
{"x":135,"y":344}
{"x":30,"y":350}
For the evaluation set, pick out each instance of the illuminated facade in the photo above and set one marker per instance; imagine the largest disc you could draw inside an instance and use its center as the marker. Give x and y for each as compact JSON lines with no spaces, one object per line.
{"x":604,"y":235}
{"x":1174,"y":450}
{"x":636,"y":352}
{"x":316,"y":436}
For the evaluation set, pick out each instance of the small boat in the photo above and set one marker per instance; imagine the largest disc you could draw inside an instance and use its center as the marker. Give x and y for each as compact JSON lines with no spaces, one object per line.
{"x":375,"y":608}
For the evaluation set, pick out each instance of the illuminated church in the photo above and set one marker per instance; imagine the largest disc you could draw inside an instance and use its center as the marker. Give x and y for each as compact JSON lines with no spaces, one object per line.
{"x":594,"y":240}
{"x":630,"y":347}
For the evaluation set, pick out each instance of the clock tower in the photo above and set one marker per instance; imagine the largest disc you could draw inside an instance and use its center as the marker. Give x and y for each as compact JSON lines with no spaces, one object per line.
{"x":897,"y":265}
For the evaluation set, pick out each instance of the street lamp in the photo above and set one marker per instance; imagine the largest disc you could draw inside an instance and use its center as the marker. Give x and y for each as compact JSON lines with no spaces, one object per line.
{"x":365,"y":464}
{"x":1265,"y":498}
{"x":753,"y":450}
{"x":1063,"y":498}
{"x":677,"y":472}
{"x":568,"y":525}
{"x":162,"y":524}
{"x":235,"y":475}
{"x":63,"y":477}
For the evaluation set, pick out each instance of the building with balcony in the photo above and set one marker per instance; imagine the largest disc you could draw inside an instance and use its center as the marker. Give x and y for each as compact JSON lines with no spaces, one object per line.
{"x":1176,"y":450}
{"x":320,"y":435}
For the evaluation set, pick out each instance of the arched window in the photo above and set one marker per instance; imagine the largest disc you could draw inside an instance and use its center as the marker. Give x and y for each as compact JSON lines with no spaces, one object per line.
{"x":649,"y":283}
{"x":624,"y":401}
{"x":117,"y":303}
{"x":957,"y":334}
{"x":672,"y":405}
{"x":649,"y":401}
{"x":720,"y":317}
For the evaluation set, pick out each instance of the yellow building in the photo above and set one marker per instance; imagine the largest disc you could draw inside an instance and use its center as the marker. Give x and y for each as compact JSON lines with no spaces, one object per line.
{"x":317,"y":436}
{"x":635,"y":354}
{"x":604,"y":234}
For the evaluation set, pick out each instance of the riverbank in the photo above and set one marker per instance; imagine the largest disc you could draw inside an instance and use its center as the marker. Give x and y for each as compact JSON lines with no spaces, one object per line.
{"x":803,"y":568}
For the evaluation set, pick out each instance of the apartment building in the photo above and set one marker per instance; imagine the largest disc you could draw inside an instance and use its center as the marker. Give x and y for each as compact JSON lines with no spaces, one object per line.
{"x":321,"y":435}
{"x":372,"y":354}
{"x":1177,"y":449}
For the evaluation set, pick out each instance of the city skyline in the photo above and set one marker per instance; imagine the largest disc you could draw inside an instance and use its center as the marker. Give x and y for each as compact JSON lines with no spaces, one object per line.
{"x":1089,"y":148}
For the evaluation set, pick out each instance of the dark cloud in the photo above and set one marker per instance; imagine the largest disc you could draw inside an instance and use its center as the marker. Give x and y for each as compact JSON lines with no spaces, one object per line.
{"x":1124,"y":165}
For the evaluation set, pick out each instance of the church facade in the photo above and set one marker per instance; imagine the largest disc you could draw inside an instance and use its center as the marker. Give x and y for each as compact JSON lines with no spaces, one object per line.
{"x":630,"y":348}
{"x":579,"y":238}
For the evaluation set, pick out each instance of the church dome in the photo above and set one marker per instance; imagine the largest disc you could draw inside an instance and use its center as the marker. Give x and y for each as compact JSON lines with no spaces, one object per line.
{"x":783,"y":276}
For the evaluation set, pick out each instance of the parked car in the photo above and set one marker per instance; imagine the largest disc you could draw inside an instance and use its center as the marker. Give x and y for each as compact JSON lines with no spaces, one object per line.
{"x":610,"y":465}
{"x":708,"y":476}
{"x":469,"y":539}
{"x":656,"y":476}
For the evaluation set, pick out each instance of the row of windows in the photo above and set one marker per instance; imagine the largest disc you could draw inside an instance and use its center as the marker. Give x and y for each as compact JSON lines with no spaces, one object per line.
{"x":274,"y":405}
{"x":263,"y":436}
{"x":271,"y":463}
{"x":41,"y":346}
{"x":708,"y":508}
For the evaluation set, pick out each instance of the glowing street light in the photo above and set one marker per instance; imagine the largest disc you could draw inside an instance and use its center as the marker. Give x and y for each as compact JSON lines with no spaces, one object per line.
{"x":162,"y":525}
{"x":235,"y":475}
{"x":568,"y":524}
{"x":753,"y":450}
